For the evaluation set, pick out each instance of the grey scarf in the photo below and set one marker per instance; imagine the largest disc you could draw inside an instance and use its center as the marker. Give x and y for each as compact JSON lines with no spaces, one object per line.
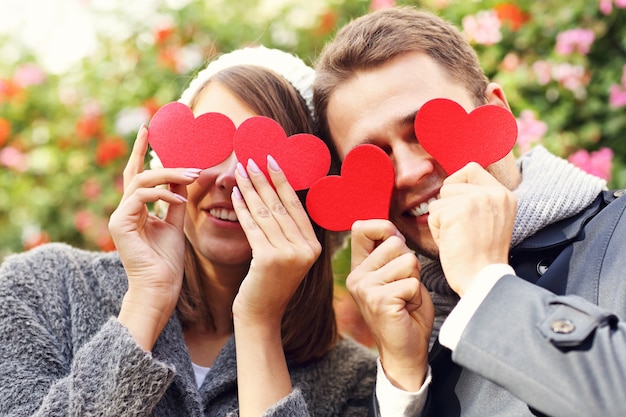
{"x":552,"y":189}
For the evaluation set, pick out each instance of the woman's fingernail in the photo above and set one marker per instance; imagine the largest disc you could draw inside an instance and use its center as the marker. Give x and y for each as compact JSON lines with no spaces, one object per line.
{"x":253,"y":166}
{"x":143,"y":130}
{"x":180,"y":197}
{"x":237,"y":193}
{"x":192,"y":173}
{"x":272,"y":163}
{"x":242,"y":171}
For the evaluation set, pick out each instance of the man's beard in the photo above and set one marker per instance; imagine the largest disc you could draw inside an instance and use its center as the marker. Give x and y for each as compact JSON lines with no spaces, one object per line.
{"x":427,"y":249}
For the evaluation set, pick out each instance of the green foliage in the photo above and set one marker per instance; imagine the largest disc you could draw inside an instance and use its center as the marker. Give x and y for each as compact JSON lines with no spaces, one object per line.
{"x":69,"y":134}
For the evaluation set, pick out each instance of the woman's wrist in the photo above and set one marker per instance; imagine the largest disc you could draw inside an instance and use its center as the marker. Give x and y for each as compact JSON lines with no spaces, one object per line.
{"x":143,"y":320}
{"x":260,"y":357}
{"x":256,"y":312}
{"x":263,"y":323}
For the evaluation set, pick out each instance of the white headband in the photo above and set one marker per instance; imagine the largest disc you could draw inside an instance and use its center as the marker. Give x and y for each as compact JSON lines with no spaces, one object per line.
{"x":288,"y":66}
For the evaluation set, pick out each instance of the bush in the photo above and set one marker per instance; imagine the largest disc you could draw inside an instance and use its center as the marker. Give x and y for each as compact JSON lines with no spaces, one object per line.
{"x":64,"y":138}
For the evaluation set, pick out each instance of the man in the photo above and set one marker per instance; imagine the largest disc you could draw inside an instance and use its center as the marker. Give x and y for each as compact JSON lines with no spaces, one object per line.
{"x":533,"y":249}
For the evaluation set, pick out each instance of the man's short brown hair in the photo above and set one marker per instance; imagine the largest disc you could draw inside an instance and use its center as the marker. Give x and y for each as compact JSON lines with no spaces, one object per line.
{"x":371,"y":40}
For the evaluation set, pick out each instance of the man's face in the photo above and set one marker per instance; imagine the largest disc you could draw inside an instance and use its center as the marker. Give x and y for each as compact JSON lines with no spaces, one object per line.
{"x":378,"y":106}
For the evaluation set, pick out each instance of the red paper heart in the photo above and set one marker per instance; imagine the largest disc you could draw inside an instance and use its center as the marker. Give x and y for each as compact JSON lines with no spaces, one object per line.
{"x":182,"y":141}
{"x":453,"y":137}
{"x":304,"y":158}
{"x":361,"y":192}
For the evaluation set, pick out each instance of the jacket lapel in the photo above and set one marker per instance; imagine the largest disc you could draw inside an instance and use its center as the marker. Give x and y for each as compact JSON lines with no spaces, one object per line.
{"x":171,"y":349}
{"x":222,"y":377}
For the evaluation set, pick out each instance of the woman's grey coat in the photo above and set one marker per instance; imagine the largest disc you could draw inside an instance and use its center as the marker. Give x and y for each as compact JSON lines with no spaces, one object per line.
{"x":63,"y":352}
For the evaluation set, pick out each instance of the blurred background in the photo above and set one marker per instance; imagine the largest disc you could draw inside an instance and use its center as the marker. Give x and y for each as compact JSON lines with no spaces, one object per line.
{"x":78,"y":78}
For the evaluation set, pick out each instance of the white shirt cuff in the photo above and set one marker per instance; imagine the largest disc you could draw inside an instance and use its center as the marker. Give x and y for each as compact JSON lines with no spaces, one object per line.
{"x":395,"y":402}
{"x":457,"y":320}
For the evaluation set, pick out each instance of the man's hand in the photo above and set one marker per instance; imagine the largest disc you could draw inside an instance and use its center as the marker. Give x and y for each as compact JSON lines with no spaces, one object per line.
{"x":472,"y":224}
{"x":385,"y":285}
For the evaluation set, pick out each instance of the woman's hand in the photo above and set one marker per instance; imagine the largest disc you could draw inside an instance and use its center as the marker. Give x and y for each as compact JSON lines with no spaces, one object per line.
{"x":284,"y":247}
{"x":151,"y":249}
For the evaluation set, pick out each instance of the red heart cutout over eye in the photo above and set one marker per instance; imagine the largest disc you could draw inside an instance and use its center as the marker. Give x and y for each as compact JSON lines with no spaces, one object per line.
{"x":361,"y":192}
{"x":182,"y":141}
{"x":304,"y":158}
{"x":453,"y":137}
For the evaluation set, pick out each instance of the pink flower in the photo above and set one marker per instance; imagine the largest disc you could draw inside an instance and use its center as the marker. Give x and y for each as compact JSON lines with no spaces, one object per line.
{"x":91,"y":189}
{"x":94,"y":229}
{"x":83,"y":220}
{"x":606,"y":6}
{"x":510,"y":62}
{"x":572,"y":77}
{"x":14,"y":159}
{"x":483,"y":28}
{"x":28,"y":74}
{"x":579,"y":40}
{"x":617,"y":96}
{"x":381,"y":4}
{"x":617,"y":93}
{"x":529,"y":130}
{"x":598,"y":163}
{"x":543,"y":71}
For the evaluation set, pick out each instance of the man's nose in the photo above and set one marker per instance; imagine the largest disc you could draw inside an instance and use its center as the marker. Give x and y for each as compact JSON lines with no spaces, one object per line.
{"x":412,"y":164}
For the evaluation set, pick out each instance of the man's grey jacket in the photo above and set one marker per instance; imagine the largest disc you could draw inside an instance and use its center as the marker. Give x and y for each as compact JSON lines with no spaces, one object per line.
{"x":554,"y":342}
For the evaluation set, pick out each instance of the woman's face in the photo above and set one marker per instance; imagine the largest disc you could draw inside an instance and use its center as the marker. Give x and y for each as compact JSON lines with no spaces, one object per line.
{"x":211,"y":224}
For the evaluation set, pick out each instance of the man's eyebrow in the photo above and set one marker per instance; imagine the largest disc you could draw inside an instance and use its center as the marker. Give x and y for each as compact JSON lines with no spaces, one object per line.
{"x":403,"y":121}
{"x":409,"y":119}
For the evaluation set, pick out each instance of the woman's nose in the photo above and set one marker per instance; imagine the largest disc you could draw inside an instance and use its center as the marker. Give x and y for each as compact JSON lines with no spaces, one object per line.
{"x":226,"y":176}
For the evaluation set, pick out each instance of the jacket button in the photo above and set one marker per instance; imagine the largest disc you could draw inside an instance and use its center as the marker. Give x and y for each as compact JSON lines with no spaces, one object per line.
{"x":542,"y":266}
{"x":619,"y":193}
{"x":562,"y":326}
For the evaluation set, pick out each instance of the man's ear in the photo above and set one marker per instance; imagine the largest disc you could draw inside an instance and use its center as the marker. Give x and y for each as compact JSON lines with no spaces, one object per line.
{"x":495,"y":95}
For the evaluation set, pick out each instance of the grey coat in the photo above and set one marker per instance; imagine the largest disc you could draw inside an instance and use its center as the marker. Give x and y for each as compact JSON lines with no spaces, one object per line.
{"x":550,"y":341}
{"x":63,"y":352}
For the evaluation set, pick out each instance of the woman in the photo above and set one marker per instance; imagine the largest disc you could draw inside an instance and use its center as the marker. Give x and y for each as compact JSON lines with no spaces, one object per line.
{"x":221,"y":307}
